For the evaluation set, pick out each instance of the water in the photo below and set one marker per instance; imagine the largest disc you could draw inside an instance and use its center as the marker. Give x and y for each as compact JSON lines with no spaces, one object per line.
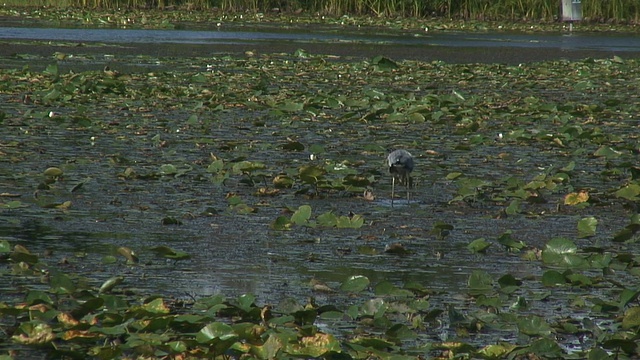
{"x":562,"y":41}
{"x":234,"y":253}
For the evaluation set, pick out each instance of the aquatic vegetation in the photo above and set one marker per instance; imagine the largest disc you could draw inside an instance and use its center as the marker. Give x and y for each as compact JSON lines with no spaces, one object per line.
{"x":68,"y":317}
{"x":609,"y":16}
{"x":388,"y":11}
{"x":180,"y":173}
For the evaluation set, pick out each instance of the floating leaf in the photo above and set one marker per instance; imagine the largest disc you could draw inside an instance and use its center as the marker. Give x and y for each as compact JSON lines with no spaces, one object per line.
{"x":562,"y":252}
{"x":216,"y":166}
{"x":301,"y":53}
{"x":607,"y":152}
{"x":587,"y":227}
{"x":629,"y":346}
{"x":53,"y":172}
{"x":533,"y":325}
{"x":631,"y":318}
{"x":327,"y":219}
{"x":269,"y":349}
{"x":15,"y":204}
{"x":579,"y":280}
{"x":508,"y":281}
{"x":170,"y":253}
{"x":244,"y":167}
{"x":478,"y":245}
{"x":496,"y":351}
{"x":34,"y":333}
{"x":400,"y":332}
{"x":629,"y":192}
{"x":290,"y":106}
{"x":581,"y":86}
{"x":87,"y":307}
{"x":52,"y":69}
{"x":170,"y":221}
{"x":80,"y":184}
{"x":382,"y":63}
{"x":108,"y":285}
{"x":506,"y":239}
{"x":5,"y":246}
{"x":38,"y":297}
{"x":356,"y":180}
{"x":21,"y":254}
{"x":514,"y":207}
{"x":302,"y":215}
{"x":396,"y":248}
{"x":168,"y":169}
{"x":61,"y":283}
{"x":63,"y":206}
{"x":293,"y":146}
{"x":544,"y":348}
{"x":374,"y":307}
{"x":155,"y":306}
{"x":215,"y":330}
{"x":283,"y":181}
{"x":310,"y":174}
{"x":553,"y":278}
{"x":351,"y":222}
{"x":128,"y":254}
{"x":314,"y":346}
{"x":355,"y":284}
{"x":480,"y":282}
{"x":617,"y":59}
{"x":576,"y":198}
{"x":281,"y":223}
{"x":441,"y":229}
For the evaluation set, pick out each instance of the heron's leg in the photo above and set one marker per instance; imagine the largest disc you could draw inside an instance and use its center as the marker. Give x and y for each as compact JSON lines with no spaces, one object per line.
{"x":408,"y":183}
{"x":393,"y":185}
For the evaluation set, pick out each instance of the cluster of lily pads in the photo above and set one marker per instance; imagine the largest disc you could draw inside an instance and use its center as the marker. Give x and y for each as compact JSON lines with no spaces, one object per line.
{"x":63,"y":316}
{"x":547,"y":142}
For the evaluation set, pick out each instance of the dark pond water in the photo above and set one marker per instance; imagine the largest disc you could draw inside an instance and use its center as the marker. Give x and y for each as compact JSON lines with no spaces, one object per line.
{"x":563,"y":41}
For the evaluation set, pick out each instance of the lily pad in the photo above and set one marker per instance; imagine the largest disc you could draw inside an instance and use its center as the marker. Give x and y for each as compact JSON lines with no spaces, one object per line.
{"x":355,"y":284}
{"x":587,"y":227}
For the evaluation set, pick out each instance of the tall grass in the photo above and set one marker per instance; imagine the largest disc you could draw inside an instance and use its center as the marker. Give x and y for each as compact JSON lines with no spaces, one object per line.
{"x":620,"y":10}
{"x":546,"y":10}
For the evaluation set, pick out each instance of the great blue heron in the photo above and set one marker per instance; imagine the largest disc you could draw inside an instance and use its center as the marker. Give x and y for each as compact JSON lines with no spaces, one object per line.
{"x":400,"y":167}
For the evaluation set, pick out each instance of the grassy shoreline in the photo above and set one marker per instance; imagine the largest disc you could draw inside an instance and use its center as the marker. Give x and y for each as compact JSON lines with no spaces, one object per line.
{"x":615,"y":11}
{"x":178,"y":18}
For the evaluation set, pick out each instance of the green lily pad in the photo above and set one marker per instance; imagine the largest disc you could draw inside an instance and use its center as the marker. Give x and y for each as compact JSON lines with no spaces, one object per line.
{"x":110,"y":284}
{"x":355,"y":284}
{"x":128,"y":254}
{"x":562,"y":252}
{"x":480,"y":282}
{"x":553,"y":278}
{"x":587,"y":227}
{"x":382,"y":63}
{"x":533,"y":325}
{"x":302,"y":215}
{"x":478,"y":245}
{"x":281,"y":223}
{"x":53,"y":172}
{"x":629,"y":192}
{"x":170,"y":253}
{"x":631,"y":318}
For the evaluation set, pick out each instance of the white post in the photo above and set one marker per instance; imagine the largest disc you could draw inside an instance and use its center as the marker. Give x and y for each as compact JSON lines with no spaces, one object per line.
{"x":571,"y":11}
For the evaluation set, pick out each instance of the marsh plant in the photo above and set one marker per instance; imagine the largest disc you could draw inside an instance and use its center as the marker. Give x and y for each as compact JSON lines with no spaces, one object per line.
{"x":536,"y":10}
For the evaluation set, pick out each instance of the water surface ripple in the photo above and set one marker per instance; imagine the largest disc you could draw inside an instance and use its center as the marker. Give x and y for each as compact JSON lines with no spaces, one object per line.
{"x":563,"y":41}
